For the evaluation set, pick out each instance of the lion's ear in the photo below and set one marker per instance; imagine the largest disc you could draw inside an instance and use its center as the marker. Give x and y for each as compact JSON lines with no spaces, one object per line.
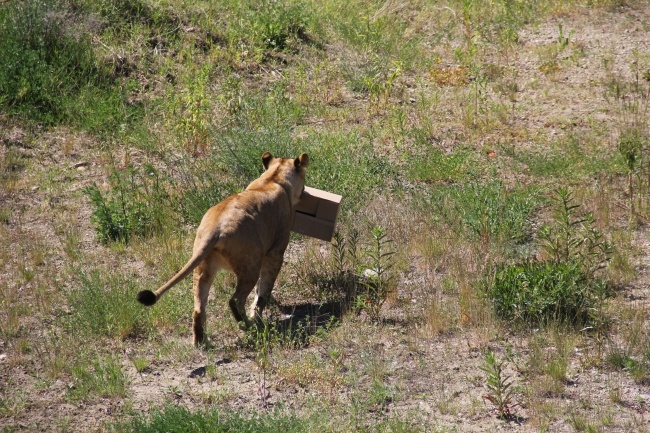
{"x":266,"y":159}
{"x":302,"y":161}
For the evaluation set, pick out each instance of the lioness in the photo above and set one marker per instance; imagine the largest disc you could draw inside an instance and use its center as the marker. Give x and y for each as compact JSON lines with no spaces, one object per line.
{"x":247,"y":234}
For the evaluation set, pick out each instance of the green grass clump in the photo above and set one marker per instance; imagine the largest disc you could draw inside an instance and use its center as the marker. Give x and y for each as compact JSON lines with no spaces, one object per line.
{"x":487,"y":211}
{"x":99,"y":378}
{"x":123,"y":15}
{"x":570,"y":157}
{"x":438,"y":167}
{"x":43,"y":65}
{"x":104,"y":305}
{"x":49,"y":71}
{"x":177,"y":419}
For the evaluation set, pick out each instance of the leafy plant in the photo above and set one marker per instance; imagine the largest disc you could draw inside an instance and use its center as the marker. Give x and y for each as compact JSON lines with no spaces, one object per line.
{"x":551,"y":53}
{"x":191,"y":118}
{"x":380,"y":84}
{"x":500,"y":392}
{"x":377,"y":277}
{"x":132,"y":207}
{"x":631,"y":145}
{"x":563,"y":40}
{"x":262,"y":358}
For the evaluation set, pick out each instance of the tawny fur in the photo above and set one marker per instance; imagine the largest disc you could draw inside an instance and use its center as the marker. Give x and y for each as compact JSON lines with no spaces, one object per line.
{"x":246,"y":234}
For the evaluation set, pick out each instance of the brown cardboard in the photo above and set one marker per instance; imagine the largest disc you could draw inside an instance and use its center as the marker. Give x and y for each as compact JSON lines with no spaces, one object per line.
{"x":311,"y":226}
{"x":316,"y":214}
{"x":308,"y":202}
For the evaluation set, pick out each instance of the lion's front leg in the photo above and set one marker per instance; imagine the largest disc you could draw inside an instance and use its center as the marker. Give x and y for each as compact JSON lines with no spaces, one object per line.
{"x":237,"y":302}
{"x":271,"y":266}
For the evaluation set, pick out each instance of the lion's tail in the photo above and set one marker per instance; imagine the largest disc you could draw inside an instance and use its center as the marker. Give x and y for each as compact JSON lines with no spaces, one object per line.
{"x":147,"y":297}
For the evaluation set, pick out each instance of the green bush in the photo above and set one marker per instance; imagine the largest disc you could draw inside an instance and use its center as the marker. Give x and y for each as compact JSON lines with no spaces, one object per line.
{"x":49,"y":72}
{"x":273,"y":22}
{"x":537,"y":293}
{"x":42,"y":63}
{"x":134,"y":206}
{"x":264,"y":26}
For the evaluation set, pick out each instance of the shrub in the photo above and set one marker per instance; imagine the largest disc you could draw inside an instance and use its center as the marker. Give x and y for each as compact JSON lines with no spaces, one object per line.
{"x":563,"y":286}
{"x":265,"y":26}
{"x":275,"y":22}
{"x":537,"y":293}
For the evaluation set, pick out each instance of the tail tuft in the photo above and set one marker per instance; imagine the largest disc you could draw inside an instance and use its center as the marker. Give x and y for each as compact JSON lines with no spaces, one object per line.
{"x":147,"y":297}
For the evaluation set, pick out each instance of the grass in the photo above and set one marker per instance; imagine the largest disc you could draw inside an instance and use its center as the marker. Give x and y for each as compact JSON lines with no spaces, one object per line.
{"x":494,"y":169}
{"x":99,"y":378}
{"x":179,"y":419}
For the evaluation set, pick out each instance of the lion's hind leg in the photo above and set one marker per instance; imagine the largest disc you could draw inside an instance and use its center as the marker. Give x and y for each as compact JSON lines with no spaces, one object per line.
{"x":203,"y":277}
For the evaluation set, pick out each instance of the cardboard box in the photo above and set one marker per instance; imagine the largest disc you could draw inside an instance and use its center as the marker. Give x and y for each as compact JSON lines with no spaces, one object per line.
{"x":316,"y":213}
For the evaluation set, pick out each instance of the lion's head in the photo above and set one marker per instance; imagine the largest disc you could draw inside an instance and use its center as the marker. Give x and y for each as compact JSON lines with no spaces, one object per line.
{"x":287,"y":172}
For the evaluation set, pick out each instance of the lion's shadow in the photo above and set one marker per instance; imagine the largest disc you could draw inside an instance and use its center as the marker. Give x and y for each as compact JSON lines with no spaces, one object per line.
{"x":298,"y":322}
